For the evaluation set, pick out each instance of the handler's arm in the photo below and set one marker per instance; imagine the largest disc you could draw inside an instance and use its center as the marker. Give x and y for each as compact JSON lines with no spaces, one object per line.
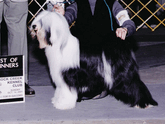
{"x":70,"y":13}
{"x":123,"y":19}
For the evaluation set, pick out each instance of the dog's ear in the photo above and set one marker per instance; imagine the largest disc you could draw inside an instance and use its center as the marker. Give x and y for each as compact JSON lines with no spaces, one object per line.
{"x":48,"y":35}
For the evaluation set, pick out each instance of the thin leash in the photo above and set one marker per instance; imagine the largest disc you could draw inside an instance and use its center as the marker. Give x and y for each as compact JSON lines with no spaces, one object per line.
{"x":110,"y":14}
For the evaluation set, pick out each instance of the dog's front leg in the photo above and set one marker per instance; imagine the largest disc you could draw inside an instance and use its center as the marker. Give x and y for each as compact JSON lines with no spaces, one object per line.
{"x":65,"y":97}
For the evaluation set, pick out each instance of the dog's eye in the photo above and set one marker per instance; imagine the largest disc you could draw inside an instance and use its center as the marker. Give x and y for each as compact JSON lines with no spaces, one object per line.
{"x":33,"y":26}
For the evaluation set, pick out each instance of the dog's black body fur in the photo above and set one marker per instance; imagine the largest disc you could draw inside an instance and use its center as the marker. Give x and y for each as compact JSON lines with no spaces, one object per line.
{"x":127,"y":85}
{"x":105,"y":68}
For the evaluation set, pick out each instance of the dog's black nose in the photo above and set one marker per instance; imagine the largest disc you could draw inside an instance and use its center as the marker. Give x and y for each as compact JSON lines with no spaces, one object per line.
{"x":33,"y":26}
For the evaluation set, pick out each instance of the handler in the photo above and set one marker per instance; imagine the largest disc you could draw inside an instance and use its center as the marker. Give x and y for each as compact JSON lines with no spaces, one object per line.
{"x":97,"y":19}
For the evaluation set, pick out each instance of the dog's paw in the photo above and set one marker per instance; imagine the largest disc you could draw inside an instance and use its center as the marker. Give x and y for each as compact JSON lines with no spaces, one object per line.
{"x":62,"y":104}
{"x":64,"y":98}
{"x":147,"y":106}
{"x":146,"y":103}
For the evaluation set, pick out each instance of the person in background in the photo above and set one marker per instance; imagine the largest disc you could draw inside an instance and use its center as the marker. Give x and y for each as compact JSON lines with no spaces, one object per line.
{"x":15,"y":14}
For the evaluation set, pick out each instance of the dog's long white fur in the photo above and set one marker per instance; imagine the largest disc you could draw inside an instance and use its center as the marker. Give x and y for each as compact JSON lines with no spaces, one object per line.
{"x":107,"y":74}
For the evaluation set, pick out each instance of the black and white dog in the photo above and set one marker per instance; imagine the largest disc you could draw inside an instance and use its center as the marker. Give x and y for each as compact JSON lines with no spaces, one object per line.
{"x":89,"y":73}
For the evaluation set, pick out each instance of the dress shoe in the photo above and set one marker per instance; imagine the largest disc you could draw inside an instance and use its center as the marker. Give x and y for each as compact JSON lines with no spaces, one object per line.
{"x":29,"y":91}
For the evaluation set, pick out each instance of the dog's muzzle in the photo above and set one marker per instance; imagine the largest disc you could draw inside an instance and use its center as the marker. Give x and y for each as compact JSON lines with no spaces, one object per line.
{"x":33,"y":31}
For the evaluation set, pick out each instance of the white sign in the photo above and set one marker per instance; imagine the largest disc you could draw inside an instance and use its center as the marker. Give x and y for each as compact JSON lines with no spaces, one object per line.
{"x":12,"y":85}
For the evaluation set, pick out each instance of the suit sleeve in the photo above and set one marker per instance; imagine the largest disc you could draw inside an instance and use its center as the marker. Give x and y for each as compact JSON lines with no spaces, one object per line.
{"x":123,"y":18}
{"x":71,"y":13}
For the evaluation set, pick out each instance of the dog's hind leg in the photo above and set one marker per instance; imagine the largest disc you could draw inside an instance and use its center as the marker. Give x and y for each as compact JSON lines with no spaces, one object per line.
{"x":127,"y":86}
{"x":143,"y":97}
{"x":133,"y":92}
{"x":89,"y":85}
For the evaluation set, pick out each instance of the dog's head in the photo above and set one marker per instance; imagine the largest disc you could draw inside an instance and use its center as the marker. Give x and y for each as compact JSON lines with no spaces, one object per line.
{"x":40,"y":31}
{"x":48,"y":27}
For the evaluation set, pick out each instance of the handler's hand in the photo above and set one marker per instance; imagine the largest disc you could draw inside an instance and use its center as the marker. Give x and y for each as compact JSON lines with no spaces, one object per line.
{"x":121,"y":33}
{"x":59,"y":9}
